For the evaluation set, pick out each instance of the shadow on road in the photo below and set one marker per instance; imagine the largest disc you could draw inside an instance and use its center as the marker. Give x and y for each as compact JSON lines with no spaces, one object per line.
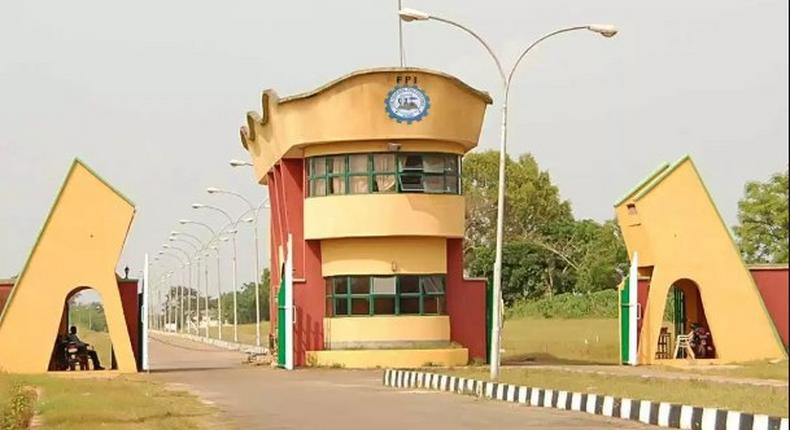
{"x":190,"y":369}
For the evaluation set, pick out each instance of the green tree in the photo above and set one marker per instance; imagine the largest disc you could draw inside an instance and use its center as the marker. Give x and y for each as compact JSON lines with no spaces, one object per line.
{"x":245,"y":299}
{"x":763,"y":221}
{"x":532,"y":207}
{"x":602,"y":260}
{"x":528,"y":270}
{"x":546,"y":251}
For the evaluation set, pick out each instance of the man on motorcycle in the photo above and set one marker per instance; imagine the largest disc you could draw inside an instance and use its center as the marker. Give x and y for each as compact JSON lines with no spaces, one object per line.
{"x":700,"y":342}
{"x":72,"y":337}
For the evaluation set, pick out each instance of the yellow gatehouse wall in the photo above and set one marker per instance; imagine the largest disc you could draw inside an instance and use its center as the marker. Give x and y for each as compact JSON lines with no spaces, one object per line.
{"x":672,"y":223}
{"x":384,"y":256}
{"x":397,"y":214}
{"x":394,"y":358}
{"x":347,"y":115}
{"x":78,"y":247}
{"x":386,"y":331}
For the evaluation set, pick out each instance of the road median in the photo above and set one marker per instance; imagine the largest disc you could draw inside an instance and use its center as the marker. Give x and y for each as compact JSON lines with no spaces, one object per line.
{"x":664,"y":414}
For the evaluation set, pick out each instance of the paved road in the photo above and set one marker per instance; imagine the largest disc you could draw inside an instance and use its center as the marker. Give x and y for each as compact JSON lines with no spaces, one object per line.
{"x":265,"y":398}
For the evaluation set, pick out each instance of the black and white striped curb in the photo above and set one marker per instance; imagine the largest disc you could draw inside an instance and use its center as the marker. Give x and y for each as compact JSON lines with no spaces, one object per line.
{"x":656,"y":413}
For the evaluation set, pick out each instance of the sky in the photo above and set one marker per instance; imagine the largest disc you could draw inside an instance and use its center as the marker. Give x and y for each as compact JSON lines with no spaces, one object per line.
{"x":151,"y":95}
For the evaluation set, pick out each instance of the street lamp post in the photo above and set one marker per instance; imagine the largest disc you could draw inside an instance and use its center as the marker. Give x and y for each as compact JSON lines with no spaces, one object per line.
{"x":182,"y":235}
{"x":198,"y":249}
{"x":219,"y":292}
{"x":239,"y":163}
{"x":257,"y":278}
{"x":152,"y":288}
{"x":197,"y":290}
{"x":189,"y":264}
{"x":166,"y":284}
{"x":184,"y":265}
{"x":604,"y":30}
{"x":205,"y":290}
{"x":234,"y":262}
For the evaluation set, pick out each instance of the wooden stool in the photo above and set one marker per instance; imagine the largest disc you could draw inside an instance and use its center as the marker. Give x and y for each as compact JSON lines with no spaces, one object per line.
{"x":662,"y":352}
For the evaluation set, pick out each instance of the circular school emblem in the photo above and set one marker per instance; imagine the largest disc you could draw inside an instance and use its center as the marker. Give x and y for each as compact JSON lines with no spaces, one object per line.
{"x":407,"y":104}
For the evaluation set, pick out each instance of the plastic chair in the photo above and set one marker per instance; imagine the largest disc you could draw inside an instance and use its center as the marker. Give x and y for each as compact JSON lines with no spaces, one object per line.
{"x":684,"y":342}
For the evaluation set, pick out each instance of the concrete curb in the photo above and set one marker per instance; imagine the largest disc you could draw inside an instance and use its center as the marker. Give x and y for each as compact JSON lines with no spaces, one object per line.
{"x":224,"y":344}
{"x":661,"y":414}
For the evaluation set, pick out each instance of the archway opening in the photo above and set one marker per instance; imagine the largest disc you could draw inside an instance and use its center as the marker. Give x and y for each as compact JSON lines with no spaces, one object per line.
{"x":83,"y":339}
{"x":685,"y":332}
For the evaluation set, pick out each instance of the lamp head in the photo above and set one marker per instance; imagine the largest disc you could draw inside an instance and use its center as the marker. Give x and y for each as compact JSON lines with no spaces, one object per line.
{"x":239,"y":163}
{"x":212,"y":190}
{"x":605,"y":30}
{"x":197,"y":205}
{"x":408,"y":15}
{"x":250,"y":219}
{"x":184,"y":221}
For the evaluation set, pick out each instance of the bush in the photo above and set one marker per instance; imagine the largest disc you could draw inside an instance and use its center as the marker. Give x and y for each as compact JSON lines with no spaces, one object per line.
{"x":19,"y":410}
{"x":600,"y":304}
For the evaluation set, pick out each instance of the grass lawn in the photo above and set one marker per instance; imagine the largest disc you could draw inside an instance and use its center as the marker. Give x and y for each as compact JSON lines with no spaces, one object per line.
{"x":120,"y":402}
{"x":246,"y":333}
{"x":596,"y":341}
{"x":16,"y":403}
{"x":5,"y":387}
{"x":100,"y":340}
{"x":558,"y":341}
{"x":753,"y":369}
{"x":745,"y":398}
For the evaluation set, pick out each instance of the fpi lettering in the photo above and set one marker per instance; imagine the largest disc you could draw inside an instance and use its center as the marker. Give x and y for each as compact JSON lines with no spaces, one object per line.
{"x":406,"y":80}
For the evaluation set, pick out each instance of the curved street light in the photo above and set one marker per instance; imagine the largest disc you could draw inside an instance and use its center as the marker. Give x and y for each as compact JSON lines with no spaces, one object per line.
{"x":232,"y":232}
{"x":605,"y":30}
{"x":202,"y":224}
{"x":239,"y":163}
{"x":177,"y":237}
{"x":184,"y":235}
{"x":184,"y":265}
{"x":161,"y":279}
{"x":213,"y":233}
{"x":189,"y":279}
{"x":257,"y":278}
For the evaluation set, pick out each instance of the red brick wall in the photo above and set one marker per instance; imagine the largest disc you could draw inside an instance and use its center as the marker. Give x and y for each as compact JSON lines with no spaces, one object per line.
{"x":5,"y":291}
{"x":286,"y":197}
{"x":131,"y":312}
{"x":466,"y":304}
{"x":773,"y":286}
{"x":310,"y":303}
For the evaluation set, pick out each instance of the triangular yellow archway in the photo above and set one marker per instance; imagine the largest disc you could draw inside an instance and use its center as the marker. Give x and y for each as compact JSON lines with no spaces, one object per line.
{"x":78,"y":246}
{"x":672,"y":223}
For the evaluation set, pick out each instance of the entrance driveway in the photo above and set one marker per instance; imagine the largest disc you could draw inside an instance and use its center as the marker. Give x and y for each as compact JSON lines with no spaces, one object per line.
{"x":265,"y":398}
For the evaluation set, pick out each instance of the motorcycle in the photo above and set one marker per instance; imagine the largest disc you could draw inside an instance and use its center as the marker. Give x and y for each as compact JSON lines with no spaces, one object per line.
{"x":701,"y":343}
{"x":75,"y":357}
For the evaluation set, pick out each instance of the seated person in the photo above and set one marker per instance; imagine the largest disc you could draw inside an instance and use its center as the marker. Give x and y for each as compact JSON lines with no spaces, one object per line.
{"x":59,"y":353}
{"x":83,"y":347}
{"x":701,"y":342}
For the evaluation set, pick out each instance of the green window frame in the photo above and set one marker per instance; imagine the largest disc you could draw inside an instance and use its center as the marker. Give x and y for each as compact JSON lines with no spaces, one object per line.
{"x":354,"y":296}
{"x":413,"y":172}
